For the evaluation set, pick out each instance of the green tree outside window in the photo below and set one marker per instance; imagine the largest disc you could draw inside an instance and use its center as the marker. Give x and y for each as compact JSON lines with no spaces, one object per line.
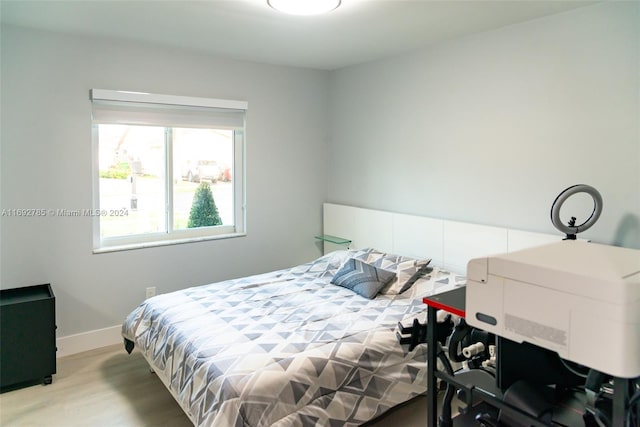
{"x":204,"y":212}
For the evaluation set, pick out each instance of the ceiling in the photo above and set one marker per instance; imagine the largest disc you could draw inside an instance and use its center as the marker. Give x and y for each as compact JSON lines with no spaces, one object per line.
{"x":358,"y":31}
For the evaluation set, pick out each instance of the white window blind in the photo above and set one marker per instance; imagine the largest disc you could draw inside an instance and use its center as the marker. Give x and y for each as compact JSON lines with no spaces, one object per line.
{"x":134,"y":108}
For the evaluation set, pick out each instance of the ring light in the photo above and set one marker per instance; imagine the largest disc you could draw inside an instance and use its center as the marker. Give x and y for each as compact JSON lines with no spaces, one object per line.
{"x":571,"y":229}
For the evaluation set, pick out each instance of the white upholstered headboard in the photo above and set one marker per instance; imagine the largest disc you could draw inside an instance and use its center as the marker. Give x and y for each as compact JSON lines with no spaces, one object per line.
{"x":450,"y":244}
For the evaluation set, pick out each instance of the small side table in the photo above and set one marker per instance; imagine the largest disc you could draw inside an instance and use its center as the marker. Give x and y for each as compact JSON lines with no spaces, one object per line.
{"x":340,"y":241}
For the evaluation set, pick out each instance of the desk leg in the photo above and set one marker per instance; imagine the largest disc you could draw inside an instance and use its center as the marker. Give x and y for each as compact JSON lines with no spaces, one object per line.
{"x":432,"y":392}
{"x":622,"y":391}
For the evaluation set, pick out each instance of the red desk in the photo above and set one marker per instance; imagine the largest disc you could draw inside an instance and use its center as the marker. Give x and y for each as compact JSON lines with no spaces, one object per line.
{"x":453,"y":302}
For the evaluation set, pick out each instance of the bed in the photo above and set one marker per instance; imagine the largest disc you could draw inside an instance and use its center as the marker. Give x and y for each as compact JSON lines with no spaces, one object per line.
{"x":304,"y":346}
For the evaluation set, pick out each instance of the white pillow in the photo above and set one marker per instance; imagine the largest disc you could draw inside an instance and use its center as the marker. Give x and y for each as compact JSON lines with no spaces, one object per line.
{"x":406,"y":273}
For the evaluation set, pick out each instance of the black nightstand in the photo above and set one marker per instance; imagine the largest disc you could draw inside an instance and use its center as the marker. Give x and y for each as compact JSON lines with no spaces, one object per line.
{"x":28,"y":336}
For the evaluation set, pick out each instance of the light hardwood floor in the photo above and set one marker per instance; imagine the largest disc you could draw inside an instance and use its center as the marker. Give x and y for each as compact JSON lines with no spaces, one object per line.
{"x":108,"y":387}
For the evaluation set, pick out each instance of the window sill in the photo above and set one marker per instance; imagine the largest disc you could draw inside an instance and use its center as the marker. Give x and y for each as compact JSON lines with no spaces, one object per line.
{"x":144,"y":245}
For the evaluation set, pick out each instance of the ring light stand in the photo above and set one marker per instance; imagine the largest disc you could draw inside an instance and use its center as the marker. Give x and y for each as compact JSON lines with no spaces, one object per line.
{"x":571,"y":229}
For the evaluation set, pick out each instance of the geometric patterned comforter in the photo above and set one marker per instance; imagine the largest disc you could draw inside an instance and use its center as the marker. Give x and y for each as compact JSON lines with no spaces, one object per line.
{"x":285,"y":348}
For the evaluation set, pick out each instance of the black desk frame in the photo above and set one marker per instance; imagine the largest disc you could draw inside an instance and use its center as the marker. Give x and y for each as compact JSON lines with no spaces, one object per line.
{"x":453,"y":302}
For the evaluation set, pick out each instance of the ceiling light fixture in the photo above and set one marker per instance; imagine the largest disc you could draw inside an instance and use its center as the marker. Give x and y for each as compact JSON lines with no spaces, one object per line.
{"x":304,"y":7}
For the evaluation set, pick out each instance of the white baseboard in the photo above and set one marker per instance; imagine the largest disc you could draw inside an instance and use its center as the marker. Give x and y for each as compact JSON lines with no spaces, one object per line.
{"x":85,"y":341}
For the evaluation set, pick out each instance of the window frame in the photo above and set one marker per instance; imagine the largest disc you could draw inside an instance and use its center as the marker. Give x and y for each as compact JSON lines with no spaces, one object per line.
{"x":171,"y":236}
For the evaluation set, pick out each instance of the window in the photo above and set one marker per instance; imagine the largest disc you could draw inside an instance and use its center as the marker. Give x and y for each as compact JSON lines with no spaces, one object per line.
{"x":167,"y":169}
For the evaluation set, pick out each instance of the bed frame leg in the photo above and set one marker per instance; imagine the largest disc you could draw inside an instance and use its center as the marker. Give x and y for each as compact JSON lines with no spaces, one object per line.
{"x":128,"y":345}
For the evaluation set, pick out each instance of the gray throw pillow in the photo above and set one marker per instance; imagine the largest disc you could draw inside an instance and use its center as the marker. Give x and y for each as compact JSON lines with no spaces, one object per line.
{"x":362,"y":278}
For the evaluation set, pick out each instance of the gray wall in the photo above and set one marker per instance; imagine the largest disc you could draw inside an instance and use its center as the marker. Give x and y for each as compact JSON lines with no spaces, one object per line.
{"x":487,"y":129}
{"x":46,"y":163}
{"x":492,"y":127}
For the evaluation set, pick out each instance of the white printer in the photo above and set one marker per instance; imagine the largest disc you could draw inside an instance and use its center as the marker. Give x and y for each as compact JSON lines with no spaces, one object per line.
{"x":577,"y":298}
